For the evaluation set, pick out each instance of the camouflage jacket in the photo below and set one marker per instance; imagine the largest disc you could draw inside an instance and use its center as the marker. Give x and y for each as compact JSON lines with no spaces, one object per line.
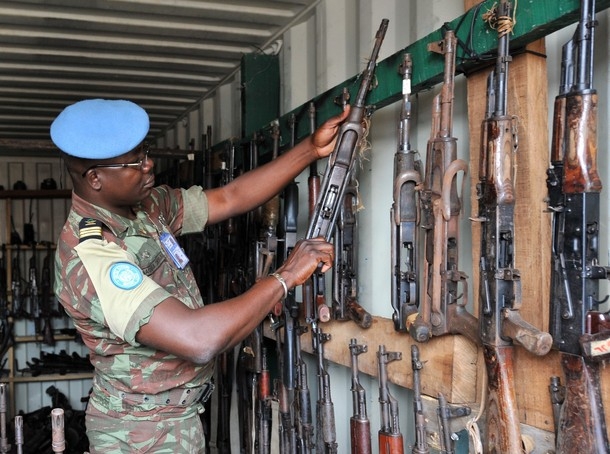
{"x":108,"y":315}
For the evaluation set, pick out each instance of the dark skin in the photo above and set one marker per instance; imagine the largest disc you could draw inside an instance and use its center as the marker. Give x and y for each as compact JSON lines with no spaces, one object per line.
{"x":199,"y":335}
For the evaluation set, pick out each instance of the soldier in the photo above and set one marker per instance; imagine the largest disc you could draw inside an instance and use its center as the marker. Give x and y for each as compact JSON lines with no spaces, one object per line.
{"x":127,"y":285}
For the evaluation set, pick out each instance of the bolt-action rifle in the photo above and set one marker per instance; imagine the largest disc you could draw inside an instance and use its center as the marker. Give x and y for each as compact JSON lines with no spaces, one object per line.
{"x":580,"y":331}
{"x":404,"y":215}
{"x":390,"y":437}
{"x":501,"y":324}
{"x":359,"y":424}
{"x":442,"y":309}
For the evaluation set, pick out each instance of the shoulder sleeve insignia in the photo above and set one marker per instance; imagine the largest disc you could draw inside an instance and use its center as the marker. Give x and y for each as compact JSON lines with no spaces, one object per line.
{"x":88,"y":229}
{"x":125,"y":275}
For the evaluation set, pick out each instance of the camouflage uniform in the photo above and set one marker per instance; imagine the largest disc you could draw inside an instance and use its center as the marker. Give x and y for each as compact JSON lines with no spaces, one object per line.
{"x":143,"y":400}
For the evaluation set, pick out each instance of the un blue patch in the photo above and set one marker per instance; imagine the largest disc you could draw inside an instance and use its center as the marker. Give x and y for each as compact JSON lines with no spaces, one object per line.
{"x":125,"y":275}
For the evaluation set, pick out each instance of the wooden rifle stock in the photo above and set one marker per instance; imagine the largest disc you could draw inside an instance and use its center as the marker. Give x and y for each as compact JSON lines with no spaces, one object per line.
{"x":501,"y":325}
{"x":580,"y":332}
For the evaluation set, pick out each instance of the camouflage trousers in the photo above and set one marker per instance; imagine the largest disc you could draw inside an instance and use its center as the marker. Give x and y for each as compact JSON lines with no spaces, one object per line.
{"x":154,"y":433}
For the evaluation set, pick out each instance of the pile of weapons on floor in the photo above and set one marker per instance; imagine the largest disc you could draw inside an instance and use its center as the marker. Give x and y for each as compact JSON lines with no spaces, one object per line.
{"x":52,"y":429}
{"x":235,"y":254}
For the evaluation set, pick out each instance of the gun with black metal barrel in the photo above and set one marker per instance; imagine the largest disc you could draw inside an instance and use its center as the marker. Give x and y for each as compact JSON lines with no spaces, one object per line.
{"x":287,"y":238}
{"x":46,"y":298}
{"x":404,"y":214}
{"x":345,"y":275}
{"x":501,"y":324}
{"x":390,"y":437}
{"x":421,"y":438}
{"x":442,"y":309}
{"x":445,"y":412}
{"x":6,"y":325}
{"x":263,"y":408}
{"x":581,"y":332}
{"x":33,"y":294}
{"x":360,"y":426}
{"x":326,"y":441}
{"x":303,"y":417}
{"x":341,"y":162}
{"x":17,"y":300}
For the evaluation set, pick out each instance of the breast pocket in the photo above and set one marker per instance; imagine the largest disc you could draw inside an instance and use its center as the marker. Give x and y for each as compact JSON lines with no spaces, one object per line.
{"x":149,"y":255}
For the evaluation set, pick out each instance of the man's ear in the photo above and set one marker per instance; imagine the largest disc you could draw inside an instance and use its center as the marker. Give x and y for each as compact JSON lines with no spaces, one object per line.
{"x":92,"y":180}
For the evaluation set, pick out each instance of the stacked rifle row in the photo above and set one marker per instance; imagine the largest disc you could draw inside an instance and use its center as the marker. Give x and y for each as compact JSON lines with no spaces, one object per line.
{"x":31,"y":298}
{"x":428,"y":202}
{"x":431,"y":204}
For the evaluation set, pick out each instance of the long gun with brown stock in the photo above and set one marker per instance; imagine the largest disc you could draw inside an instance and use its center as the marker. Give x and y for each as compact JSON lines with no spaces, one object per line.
{"x":326,"y":435}
{"x":390,"y":437}
{"x":342,"y":160}
{"x":304,"y":420}
{"x":581,"y":333}
{"x":359,"y":424}
{"x":421,"y":438}
{"x":345,"y":275}
{"x":501,"y":324}
{"x":404,"y":214}
{"x":442,"y":309}
{"x":285,"y":385}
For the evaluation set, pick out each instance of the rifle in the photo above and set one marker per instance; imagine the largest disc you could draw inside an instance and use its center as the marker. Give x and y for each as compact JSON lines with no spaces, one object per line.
{"x":263,"y":410}
{"x":325,"y":411}
{"x":304,"y":421}
{"x":360,"y":426}
{"x":390,"y":438}
{"x":404,"y":212}
{"x":46,"y":313}
{"x":421,"y":438}
{"x":16,"y":292}
{"x":500,"y":322}
{"x":342,"y":161}
{"x":33,"y":296}
{"x":4,"y":446}
{"x":315,"y":303}
{"x":287,"y":382}
{"x":345,"y":284}
{"x":6,"y":325}
{"x":580,"y":331}
{"x":19,"y":434}
{"x":443,"y":307}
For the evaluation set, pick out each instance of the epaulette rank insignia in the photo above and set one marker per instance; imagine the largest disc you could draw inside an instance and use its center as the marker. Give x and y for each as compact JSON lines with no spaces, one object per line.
{"x":88,"y":229}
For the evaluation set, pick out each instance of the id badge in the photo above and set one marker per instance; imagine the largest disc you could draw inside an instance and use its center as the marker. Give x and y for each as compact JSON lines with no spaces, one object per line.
{"x":174,"y":250}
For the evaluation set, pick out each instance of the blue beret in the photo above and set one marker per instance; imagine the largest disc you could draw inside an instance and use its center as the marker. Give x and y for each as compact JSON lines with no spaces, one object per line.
{"x":100,"y":128}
